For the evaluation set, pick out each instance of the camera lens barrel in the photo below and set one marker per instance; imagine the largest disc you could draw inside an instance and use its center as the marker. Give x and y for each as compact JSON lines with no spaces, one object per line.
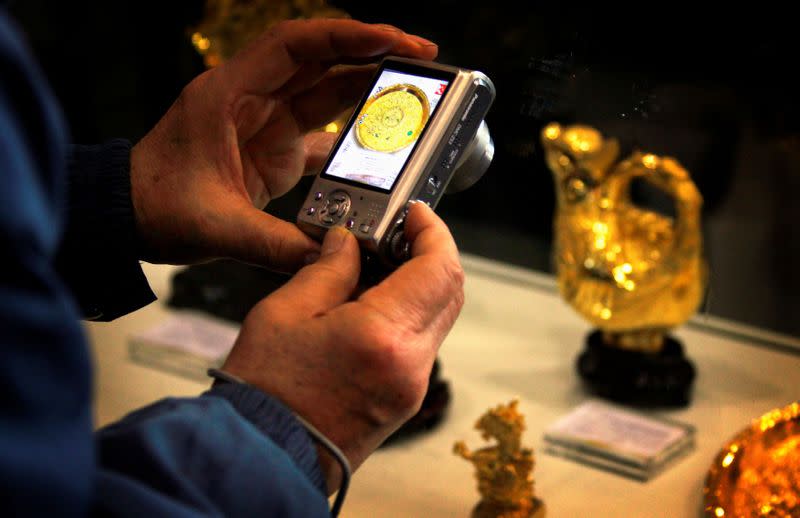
{"x":474,"y":161}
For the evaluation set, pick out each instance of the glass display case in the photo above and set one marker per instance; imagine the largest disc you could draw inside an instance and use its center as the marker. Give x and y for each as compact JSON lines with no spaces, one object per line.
{"x":717,"y":92}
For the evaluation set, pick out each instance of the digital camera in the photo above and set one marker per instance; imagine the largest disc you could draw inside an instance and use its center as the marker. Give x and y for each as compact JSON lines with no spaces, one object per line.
{"x":417,"y":132}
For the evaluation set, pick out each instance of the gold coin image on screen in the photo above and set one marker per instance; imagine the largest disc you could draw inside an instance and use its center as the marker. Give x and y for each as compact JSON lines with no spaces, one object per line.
{"x":393,"y":118}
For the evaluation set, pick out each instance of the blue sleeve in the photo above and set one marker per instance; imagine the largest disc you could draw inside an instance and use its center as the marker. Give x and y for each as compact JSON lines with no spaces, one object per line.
{"x":98,"y":256}
{"x":190,"y":457}
{"x":46,"y":451}
{"x":232,"y":451}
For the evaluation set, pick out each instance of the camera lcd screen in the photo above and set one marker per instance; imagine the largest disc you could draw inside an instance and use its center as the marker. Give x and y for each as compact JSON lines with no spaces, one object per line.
{"x":386,"y":128}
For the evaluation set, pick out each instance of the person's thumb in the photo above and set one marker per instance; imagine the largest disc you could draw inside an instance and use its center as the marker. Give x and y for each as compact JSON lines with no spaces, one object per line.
{"x":326,"y":283}
{"x":250,"y":235}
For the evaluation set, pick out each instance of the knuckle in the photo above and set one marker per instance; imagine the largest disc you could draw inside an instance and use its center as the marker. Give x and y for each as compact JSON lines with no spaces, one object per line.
{"x":454,"y":274}
{"x":275,"y":249}
{"x":406,"y":383}
{"x":280,"y":28}
{"x":397,"y":376}
{"x":408,"y":400}
{"x":390,"y":357}
{"x":459,"y":299}
{"x":382,"y":342}
{"x":188,"y":90}
{"x":410,"y":395}
{"x":333,"y":274}
{"x":196,"y":86}
{"x":415,"y":389}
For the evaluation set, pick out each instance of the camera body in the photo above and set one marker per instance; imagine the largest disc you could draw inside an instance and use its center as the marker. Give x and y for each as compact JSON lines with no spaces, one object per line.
{"x":418,"y":130}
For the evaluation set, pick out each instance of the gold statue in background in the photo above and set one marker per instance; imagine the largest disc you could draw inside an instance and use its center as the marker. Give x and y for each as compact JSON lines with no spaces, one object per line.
{"x":228,"y":25}
{"x":505,"y":469}
{"x":632,"y":272}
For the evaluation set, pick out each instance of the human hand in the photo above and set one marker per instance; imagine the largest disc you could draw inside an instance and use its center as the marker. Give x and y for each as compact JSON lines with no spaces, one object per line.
{"x":237,"y":137}
{"x":355,"y":369}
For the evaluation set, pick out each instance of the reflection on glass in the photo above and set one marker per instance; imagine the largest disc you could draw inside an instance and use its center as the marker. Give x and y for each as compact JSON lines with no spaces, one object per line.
{"x":228,"y":25}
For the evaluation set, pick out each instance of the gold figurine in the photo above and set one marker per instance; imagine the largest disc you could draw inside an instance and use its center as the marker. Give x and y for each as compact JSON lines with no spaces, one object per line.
{"x":504,"y":470}
{"x":632,"y":272}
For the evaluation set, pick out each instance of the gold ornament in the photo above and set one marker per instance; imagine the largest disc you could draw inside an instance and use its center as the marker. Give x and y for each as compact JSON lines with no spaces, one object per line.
{"x":757,"y":474}
{"x":630,"y":271}
{"x":393,"y":118}
{"x":505,"y":469}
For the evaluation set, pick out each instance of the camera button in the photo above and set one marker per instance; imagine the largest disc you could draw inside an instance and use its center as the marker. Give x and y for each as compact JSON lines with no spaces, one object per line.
{"x":318,"y":196}
{"x":311,"y":211}
{"x":399,"y":247}
{"x":433,"y":185}
{"x":334,"y":207}
{"x":350,"y":224}
{"x":364,"y":228}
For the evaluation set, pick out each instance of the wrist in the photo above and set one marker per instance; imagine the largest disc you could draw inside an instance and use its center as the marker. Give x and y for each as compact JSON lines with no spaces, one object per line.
{"x":275,"y":421}
{"x":100,"y":197}
{"x":141,"y":176}
{"x":332,"y":463}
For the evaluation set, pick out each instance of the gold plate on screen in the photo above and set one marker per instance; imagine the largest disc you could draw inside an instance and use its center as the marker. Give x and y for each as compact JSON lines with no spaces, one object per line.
{"x":393,"y":118}
{"x":758,"y":471}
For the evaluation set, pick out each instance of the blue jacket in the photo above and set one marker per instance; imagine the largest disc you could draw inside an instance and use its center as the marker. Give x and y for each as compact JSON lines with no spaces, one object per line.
{"x":68,"y":249}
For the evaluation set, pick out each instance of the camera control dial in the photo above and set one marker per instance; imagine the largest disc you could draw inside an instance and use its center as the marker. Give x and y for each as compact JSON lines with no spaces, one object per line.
{"x":334,"y":208}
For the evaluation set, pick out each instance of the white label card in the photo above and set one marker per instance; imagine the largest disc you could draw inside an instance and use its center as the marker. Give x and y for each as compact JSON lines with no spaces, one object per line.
{"x":192,"y":333}
{"x":616,"y":430}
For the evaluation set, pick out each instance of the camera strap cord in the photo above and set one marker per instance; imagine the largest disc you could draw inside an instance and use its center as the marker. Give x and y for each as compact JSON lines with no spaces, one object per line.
{"x":326,"y":443}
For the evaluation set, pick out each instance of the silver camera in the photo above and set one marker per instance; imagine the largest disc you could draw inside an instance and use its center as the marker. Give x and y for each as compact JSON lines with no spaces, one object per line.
{"x":417,"y":133}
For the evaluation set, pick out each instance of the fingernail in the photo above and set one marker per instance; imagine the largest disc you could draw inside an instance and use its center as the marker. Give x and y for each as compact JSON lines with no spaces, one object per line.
{"x":419,"y":40}
{"x":412,"y":203}
{"x":387,"y":27}
{"x":334,"y":240}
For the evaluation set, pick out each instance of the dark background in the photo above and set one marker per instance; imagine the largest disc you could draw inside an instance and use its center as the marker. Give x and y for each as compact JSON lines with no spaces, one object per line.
{"x":717,"y":91}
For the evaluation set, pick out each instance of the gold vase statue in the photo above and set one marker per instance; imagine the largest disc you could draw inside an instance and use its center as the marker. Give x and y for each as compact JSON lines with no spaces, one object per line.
{"x":630,"y":271}
{"x":633,"y":272}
